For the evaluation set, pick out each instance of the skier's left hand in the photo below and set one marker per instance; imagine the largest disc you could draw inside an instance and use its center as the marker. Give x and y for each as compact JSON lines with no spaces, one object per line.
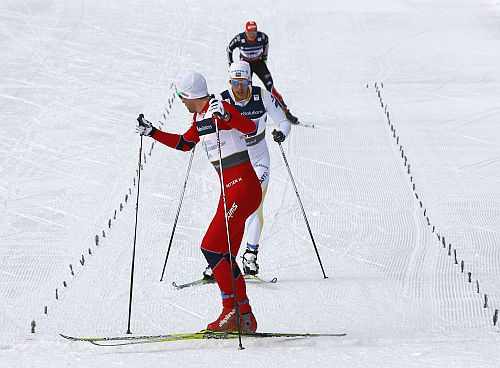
{"x":278,"y":136}
{"x":216,"y":109}
{"x":144,"y":127}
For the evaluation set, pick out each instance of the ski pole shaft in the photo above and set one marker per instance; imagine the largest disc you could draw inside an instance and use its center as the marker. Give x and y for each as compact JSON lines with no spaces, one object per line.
{"x":233,"y":282}
{"x":178,"y":212}
{"x":135,"y":239}
{"x":302,"y":208}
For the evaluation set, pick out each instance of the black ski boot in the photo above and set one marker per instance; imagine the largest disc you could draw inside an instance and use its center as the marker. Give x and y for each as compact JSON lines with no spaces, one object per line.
{"x":250,"y":266}
{"x":208,"y":274}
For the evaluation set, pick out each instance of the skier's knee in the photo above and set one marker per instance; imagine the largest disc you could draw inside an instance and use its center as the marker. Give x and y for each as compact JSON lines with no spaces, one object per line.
{"x":213,"y":258}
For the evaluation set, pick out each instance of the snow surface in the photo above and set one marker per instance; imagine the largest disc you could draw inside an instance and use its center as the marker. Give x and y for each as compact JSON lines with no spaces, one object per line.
{"x":75,"y":74}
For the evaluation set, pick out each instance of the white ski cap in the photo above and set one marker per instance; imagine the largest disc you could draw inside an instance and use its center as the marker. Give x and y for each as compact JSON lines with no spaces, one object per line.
{"x":192,"y":85}
{"x":240,"y":69}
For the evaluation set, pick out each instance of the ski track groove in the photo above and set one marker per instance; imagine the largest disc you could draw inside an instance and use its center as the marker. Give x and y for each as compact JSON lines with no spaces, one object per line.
{"x":467,"y":314}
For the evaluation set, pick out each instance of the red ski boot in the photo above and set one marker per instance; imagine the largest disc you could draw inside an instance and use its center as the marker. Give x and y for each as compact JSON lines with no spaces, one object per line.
{"x":227,"y":322}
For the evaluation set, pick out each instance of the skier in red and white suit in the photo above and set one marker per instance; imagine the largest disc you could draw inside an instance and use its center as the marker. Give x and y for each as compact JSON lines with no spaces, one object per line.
{"x":242,"y":188}
{"x":257,"y":104}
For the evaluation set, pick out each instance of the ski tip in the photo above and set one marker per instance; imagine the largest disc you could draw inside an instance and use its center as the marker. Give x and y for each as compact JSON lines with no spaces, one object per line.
{"x":174,"y":284}
{"x":258,"y":279}
{"x":68,"y":337}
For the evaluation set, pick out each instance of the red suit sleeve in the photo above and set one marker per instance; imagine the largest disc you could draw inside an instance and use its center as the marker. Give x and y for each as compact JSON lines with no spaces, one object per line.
{"x":238,"y":121}
{"x":182,"y":142}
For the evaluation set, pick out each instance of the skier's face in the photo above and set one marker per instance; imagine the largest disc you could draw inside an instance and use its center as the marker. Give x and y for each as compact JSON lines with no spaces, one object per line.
{"x":194,"y":105}
{"x":189,"y":104}
{"x":251,"y":35}
{"x":240,"y":87}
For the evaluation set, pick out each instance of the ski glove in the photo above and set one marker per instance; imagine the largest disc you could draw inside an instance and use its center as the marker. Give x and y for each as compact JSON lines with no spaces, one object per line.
{"x":278,"y":136}
{"x":144,"y":127}
{"x":216,"y":109}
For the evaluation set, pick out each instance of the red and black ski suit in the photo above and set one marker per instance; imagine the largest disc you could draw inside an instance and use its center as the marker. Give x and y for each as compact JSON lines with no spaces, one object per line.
{"x":242,"y":190}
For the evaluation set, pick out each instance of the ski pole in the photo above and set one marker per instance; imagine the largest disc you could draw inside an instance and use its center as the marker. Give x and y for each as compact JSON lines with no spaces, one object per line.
{"x":301,"y":206}
{"x":135,"y":236}
{"x":178,"y":211}
{"x":233,"y":282}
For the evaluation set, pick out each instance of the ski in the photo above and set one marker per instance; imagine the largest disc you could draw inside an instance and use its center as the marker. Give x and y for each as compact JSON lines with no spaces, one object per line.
{"x":257,"y":278}
{"x":307,"y":125}
{"x":193,"y":283}
{"x":202,"y":335}
{"x":251,"y":278}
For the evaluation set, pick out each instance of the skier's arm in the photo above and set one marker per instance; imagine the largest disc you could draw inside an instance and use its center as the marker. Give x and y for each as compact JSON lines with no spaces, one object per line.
{"x":266,"y":47}
{"x":233,"y":44}
{"x":238,"y":121}
{"x":182,"y":142}
{"x":276,"y":113}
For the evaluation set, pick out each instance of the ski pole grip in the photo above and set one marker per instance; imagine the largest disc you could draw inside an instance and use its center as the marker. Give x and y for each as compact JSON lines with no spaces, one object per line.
{"x":139,"y":119}
{"x":216,"y":115}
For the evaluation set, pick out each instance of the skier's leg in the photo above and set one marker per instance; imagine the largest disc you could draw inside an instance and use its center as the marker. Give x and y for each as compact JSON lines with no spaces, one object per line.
{"x":260,"y":68}
{"x":220,"y":264}
{"x":215,"y":250}
{"x":255,"y":223}
{"x":241,"y":199}
{"x":254,"y":226}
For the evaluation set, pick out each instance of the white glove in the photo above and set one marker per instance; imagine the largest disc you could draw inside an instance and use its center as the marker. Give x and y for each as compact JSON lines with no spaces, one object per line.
{"x":216,"y":109}
{"x":144,"y":127}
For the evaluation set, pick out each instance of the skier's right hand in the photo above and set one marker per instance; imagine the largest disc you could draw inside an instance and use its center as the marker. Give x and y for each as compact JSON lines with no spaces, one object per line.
{"x":278,"y":136}
{"x":217,"y":110}
{"x":144,"y":127}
